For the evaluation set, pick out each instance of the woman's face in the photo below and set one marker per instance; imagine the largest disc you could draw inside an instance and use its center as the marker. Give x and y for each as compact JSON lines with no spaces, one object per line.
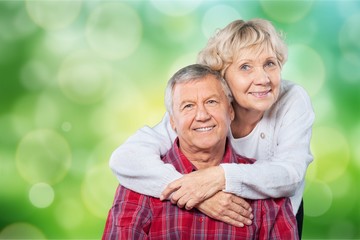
{"x":254,"y":80}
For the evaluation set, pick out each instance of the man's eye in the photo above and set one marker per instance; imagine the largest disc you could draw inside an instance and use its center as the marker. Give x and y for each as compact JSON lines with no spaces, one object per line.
{"x":188,"y":106}
{"x":212,"y":102}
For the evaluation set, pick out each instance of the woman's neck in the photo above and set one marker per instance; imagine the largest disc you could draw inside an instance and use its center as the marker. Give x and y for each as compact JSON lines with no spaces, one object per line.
{"x":244,"y":122}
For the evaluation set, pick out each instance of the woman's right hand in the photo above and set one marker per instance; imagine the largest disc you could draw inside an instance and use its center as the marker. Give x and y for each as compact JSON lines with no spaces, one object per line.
{"x":228,"y":208}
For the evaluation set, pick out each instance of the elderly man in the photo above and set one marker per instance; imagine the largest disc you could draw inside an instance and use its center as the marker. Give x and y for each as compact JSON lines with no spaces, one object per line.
{"x":199,"y":104}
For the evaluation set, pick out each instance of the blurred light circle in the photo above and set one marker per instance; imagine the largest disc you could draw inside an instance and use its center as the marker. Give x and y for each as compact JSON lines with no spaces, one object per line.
{"x":52,"y":15}
{"x":43,"y":156}
{"x":180,"y":29}
{"x":286,"y":11}
{"x":331,"y":153}
{"x":218,"y":17}
{"x":306,"y":67}
{"x":35,"y":75}
{"x":341,"y":228}
{"x":341,"y":186}
{"x":46,"y":113}
{"x":41,"y":195}
{"x":355,"y":140}
{"x":347,"y":8}
{"x":323,"y":105}
{"x":114,"y":30}
{"x":69,"y":213}
{"x":98,"y":189}
{"x":348,"y":66}
{"x":349,"y":35}
{"x":85,"y":78}
{"x":66,"y":126}
{"x":175,"y":7}
{"x":181,"y":61}
{"x":319,"y":198}
{"x":21,"y":230}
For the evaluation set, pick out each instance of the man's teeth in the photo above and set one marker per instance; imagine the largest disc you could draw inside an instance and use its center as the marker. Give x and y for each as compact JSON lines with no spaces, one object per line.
{"x":204,"y":129}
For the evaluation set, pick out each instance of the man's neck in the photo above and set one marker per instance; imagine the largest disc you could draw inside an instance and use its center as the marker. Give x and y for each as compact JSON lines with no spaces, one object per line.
{"x":205,"y":158}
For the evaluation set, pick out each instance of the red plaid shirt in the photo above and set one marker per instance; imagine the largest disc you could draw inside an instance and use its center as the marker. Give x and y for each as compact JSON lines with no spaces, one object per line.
{"x":136,"y":216}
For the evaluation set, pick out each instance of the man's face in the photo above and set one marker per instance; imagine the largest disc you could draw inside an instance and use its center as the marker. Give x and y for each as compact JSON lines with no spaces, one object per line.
{"x":201,"y":114}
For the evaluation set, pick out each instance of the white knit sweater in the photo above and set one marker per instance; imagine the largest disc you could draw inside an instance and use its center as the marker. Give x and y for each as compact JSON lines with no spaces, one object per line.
{"x":280,"y":143}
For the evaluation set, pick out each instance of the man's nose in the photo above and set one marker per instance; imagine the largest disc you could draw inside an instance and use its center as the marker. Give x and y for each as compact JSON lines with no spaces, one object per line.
{"x":202,"y":113}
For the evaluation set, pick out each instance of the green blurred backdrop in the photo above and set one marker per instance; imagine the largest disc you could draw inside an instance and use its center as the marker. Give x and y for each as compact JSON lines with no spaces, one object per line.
{"x":79,"y":77}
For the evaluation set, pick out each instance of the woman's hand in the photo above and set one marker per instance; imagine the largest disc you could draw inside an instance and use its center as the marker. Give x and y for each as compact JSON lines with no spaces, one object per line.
{"x":193,"y":188}
{"x":228,"y":208}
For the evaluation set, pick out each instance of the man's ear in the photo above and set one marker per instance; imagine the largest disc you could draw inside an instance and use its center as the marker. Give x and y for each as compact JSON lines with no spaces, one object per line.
{"x":232,"y":112}
{"x":172,"y":122}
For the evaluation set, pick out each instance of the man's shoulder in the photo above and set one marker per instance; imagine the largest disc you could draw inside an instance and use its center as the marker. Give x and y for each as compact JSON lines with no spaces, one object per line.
{"x":124,"y":194}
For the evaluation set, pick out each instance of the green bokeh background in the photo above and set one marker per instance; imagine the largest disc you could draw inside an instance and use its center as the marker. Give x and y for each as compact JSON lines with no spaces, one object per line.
{"x":79,"y":77}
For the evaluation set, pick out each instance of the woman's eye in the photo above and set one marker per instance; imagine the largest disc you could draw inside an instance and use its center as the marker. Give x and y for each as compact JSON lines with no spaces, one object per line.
{"x":271,"y":64}
{"x":245,"y":67}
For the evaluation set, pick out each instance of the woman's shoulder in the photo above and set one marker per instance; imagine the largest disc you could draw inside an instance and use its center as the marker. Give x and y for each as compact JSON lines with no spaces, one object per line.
{"x":291,"y":92}
{"x":293,"y":98}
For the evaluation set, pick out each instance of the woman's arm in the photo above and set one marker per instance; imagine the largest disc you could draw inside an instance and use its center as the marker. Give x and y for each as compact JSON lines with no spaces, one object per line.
{"x":277,"y":177}
{"x":284,"y":173}
{"x":137,"y":163}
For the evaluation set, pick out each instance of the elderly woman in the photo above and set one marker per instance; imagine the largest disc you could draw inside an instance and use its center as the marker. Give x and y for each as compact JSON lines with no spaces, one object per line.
{"x":273,"y":124}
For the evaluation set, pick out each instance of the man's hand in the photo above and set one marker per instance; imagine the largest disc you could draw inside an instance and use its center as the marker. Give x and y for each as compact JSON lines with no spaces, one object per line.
{"x":195,"y":187}
{"x":228,"y":208}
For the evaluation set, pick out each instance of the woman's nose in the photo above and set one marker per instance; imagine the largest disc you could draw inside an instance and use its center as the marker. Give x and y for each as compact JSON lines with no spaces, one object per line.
{"x":261,"y":77}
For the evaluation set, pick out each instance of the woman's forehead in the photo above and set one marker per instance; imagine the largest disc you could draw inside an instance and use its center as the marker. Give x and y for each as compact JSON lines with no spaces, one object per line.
{"x":255,"y":52}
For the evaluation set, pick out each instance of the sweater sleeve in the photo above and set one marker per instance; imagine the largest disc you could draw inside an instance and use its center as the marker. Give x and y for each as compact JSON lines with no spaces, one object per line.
{"x":137,"y":163}
{"x":284,"y":172}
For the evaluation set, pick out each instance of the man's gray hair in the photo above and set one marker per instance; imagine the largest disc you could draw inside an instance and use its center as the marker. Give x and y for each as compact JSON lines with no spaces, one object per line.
{"x":190,"y":73}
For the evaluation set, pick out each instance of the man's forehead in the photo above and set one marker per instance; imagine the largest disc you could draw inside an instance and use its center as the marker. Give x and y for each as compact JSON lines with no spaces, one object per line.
{"x":201,"y":87}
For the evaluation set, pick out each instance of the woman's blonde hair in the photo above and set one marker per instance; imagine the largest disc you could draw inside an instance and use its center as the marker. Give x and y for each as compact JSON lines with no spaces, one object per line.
{"x":227,"y":43}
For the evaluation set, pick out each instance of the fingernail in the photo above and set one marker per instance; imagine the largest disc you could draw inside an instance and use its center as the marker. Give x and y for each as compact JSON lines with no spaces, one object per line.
{"x":161,"y":197}
{"x":241,"y":225}
{"x":249,"y":222}
{"x":251,"y":216}
{"x":250,"y":209}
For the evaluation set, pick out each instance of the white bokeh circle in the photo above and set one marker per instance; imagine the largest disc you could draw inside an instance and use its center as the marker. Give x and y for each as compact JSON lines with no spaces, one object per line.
{"x":41,"y":195}
{"x":85,"y":78}
{"x":69,"y":213}
{"x":53,"y":15}
{"x":319,"y":198}
{"x":114,"y":30}
{"x":331,"y":152}
{"x":21,"y":230}
{"x":286,"y":11}
{"x":98,"y":189}
{"x":218,"y":17}
{"x":176,"y":7}
{"x":43,"y":155}
{"x":306,"y":67}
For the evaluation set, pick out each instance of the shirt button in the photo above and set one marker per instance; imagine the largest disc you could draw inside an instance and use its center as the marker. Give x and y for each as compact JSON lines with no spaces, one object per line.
{"x":262,"y":135}
{"x":201,"y":219}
